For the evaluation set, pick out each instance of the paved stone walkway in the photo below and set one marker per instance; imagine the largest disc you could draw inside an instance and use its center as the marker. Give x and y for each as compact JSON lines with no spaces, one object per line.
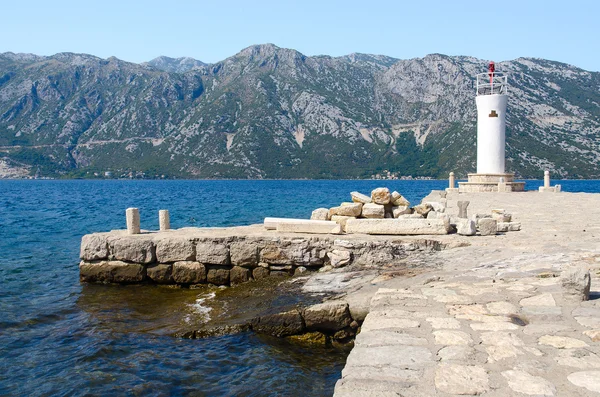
{"x":488,"y":331}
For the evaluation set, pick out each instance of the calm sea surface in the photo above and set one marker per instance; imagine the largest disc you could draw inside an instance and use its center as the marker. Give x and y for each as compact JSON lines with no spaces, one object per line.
{"x":58,"y":337}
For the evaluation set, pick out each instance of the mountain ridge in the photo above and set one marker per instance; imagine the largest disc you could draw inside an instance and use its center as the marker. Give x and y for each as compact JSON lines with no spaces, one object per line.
{"x":271,"y":112}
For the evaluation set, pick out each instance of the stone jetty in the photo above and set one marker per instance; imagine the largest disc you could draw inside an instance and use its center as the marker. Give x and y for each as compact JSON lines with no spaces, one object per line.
{"x":504,"y":304}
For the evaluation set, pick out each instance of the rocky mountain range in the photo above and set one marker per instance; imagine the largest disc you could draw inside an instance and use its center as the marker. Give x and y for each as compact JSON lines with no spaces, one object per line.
{"x":270,"y":112}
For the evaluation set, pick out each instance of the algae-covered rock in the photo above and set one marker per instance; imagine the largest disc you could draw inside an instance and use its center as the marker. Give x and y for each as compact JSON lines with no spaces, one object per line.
{"x":280,"y":324}
{"x":160,"y":273}
{"x":111,"y":272}
{"x":189,"y":272}
{"x":327,"y":317}
{"x":218,"y":275}
{"x":310,"y":339}
{"x":238,"y":275}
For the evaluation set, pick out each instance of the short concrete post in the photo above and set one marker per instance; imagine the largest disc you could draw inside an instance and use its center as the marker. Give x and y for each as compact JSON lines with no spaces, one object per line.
{"x":133,"y":220}
{"x":163,"y":220}
{"x":501,"y":185}
{"x":546,"y":178}
{"x":462,"y":208}
{"x":451,"y":180}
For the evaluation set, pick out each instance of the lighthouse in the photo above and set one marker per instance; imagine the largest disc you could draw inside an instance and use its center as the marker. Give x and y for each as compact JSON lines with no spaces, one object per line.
{"x":491,"y":100}
{"x":492,"y":96}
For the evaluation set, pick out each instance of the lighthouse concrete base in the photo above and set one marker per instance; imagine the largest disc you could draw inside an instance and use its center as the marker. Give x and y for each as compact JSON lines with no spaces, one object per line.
{"x":491,"y":183}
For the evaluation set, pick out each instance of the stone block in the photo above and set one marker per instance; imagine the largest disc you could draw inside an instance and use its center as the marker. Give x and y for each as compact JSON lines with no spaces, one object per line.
{"x":502,"y":227}
{"x":381,"y":195}
{"x":411,"y":216}
{"x":341,"y":220}
{"x":173,"y":249}
{"x":218,"y":275}
{"x":466,"y":227}
{"x":189,"y":272}
{"x":487,"y":226}
{"x":275,"y":254}
{"x":271,"y":223}
{"x":400,"y":226}
{"x":94,"y":247}
{"x":398,"y":200}
{"x":135,"y":248}
{"x":111,"y":272}
{"x":280,"y":324}
{"x":339,"y":258}
{"x":514,"y":226}
{"x":239,"y":275}
{"x":315,"y":227}
{"x":320,"y":214}
{"x":260,"y":273}
{"x":327,"y":317}
{"x":360,"y":198}
{"x":372,"y":210}
{"x":401,"y":210}
{"x":213,"y":253}
{"x":433,"y":215}
{"x":244,"y":253}
{"x":423,"y":209}
{"x":353,"y":209}
{"x":437,"y":206}
{"x":160,"y":273}
{"x":501,"y":216}
{"x":575,"y":284}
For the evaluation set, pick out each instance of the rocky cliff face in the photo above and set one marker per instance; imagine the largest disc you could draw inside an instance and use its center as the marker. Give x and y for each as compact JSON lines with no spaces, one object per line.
{"x":269,"y":112}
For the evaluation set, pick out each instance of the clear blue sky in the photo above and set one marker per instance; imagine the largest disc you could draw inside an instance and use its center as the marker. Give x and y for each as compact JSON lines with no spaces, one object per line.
{"x":210,"y":31}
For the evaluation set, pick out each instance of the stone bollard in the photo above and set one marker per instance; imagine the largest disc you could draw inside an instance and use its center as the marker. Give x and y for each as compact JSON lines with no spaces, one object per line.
{"x":451,"y":181}
{"x":546,"y":178}
{"x":462,"y":208}
{"x":133,"y":220}
{"x":163,"y":220}
{"x":575,"y":284}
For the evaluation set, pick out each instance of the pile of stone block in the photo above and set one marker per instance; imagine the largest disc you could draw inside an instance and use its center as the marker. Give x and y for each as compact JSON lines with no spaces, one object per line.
{"x":499,"y":221}
{"x":381,"y":204}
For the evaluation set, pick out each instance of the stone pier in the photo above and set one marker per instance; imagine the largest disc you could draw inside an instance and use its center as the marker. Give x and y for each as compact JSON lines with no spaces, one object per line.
{"x":506,"y":316}
{"x":226,"y":256}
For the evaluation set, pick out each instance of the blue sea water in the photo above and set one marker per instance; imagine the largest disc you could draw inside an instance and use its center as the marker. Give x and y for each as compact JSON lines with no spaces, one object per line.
{"x":58,"y":337}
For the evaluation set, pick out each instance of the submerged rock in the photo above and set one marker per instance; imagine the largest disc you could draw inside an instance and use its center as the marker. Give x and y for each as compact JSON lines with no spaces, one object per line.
{"x":310,"y":339}
{"x":111,"y":272}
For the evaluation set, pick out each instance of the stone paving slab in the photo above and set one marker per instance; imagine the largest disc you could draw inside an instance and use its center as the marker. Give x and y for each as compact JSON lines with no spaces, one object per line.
{"x":526,"y":341}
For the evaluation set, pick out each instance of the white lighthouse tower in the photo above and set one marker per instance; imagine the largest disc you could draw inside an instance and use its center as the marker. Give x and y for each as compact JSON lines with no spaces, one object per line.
{"x":491,"y":100}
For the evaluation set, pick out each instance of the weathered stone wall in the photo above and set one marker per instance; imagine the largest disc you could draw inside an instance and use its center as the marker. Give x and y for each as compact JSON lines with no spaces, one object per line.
{"x":184,"y":259}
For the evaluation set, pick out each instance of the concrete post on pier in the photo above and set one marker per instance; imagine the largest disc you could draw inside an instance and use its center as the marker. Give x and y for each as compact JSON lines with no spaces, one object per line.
{"x":163,"y":220}
{"x":547,"y":188}
{"x":501,"y":185}
{"x":451,"y":184}
{"x":133,"y":220}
